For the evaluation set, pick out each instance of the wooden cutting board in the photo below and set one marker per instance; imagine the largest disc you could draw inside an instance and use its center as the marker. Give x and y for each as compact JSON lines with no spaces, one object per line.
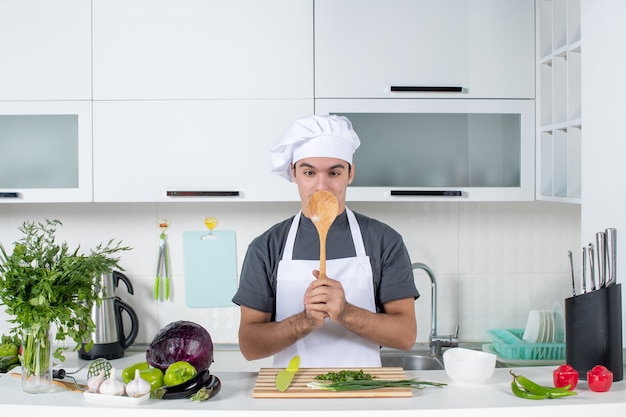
{"x":265,"y":388}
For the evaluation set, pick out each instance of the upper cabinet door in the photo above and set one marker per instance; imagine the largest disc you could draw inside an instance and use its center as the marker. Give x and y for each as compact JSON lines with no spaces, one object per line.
{"x":202,"y":49}
{"x":484,"y":48}
{"x":191,"y":150}
{"x":440,"y":150}
{"x":45,"y":151}
{"x":45,"y":50}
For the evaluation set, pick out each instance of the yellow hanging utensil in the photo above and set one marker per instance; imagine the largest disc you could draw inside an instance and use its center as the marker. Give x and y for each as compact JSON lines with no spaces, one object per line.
{"x":210,"y":223}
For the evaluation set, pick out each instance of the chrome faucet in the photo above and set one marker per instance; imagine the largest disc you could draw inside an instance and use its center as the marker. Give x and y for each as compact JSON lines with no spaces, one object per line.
{"x":436,"y":342}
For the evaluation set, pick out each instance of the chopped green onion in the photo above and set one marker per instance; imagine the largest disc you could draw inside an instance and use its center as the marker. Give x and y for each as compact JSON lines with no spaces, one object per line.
{"x":344,"y":375}
{"x":371,"y":384}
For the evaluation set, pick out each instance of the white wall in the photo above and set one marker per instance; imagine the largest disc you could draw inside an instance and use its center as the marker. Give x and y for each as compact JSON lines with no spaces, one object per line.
{"x":603,"y":66}
{"x":493,"y":261}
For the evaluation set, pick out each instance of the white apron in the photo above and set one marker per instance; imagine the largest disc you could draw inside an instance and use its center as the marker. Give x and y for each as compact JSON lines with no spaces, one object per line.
{"x":331,"y":345}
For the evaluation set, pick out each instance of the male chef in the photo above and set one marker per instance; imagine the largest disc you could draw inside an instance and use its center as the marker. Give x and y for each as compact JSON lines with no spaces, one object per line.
{"x":367,"y":300}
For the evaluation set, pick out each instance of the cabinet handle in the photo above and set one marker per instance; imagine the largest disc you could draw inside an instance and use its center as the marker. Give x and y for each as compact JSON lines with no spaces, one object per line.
{"x":203,"y":193}
{"x":426,"y":89}
{"x":427,"y":193}
{"x":9,"y":195}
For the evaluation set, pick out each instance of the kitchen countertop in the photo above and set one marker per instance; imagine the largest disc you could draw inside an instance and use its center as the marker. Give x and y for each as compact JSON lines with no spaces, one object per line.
{"x":235,"y":398}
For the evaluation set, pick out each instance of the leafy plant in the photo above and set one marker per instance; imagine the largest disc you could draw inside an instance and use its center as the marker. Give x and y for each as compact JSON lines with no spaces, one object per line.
{"x":44,"y":284}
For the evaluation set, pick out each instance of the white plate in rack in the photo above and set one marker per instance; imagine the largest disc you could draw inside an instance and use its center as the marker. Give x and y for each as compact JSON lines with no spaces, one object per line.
{"x":534,"y":327}
{"x":559,"y":322}
{"x":550,"y":327}
{"x":543,"y":328}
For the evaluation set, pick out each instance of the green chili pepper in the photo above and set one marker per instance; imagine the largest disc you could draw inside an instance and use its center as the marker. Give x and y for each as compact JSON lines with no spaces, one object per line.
{"x":526,"y":394}
{"x":528,"y":389}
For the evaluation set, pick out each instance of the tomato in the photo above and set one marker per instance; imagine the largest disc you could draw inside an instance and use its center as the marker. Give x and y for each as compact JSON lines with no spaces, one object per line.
{"x":565,"y":375}
{"x":179,"y":372}
{"x":599,"y":379}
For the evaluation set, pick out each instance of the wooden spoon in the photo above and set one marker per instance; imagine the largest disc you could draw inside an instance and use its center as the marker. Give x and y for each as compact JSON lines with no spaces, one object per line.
{"x":323,"y":208}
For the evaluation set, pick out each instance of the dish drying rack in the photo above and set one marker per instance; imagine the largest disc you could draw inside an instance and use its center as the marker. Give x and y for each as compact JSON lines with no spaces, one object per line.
{"x":508,"y":343}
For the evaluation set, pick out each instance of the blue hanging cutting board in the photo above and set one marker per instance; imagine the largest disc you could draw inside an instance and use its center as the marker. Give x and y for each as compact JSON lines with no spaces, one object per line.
{"x":210,"y":262}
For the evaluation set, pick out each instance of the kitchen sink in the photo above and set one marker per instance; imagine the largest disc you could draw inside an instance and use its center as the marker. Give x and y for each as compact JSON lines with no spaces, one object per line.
{"x":411,"y":361}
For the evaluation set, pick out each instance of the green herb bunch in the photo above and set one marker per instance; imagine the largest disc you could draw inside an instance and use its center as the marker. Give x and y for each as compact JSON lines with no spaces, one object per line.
{"x":46,"y":285}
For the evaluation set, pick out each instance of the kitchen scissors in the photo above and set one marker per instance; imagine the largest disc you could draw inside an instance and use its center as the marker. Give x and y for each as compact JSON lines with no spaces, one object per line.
{"x":163,"y":264}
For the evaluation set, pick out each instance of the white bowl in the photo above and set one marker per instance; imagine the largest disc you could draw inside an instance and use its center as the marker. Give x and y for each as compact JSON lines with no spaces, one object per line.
{"x":469,"y":366}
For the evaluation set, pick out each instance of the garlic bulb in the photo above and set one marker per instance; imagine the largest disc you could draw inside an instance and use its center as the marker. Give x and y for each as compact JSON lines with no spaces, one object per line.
{"x":93,"y":383}
{"x":112,"y":386}
{"x":138,"y":387}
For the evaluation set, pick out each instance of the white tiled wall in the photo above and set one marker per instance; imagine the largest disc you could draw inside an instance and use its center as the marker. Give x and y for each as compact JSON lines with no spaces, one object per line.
{"x":493,"y":261}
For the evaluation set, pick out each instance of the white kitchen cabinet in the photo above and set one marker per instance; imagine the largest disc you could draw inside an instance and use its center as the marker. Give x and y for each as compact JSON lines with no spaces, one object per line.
{"x":202,"y":49}
{"x":45,"y":50}
{"x":190,"y":150}
{"x":369,"y":49}
{"x":45,"y":151}
{"x":559,"y":101}
{"x":439,"y":149}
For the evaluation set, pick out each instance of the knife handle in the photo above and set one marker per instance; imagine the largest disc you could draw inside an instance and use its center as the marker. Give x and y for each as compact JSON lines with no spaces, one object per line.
{"x":611,"y":254}
{"x":601,"y":258}
{"x":583,"y":274}
{"x":571,"y":271}
{"x":592,"y":268}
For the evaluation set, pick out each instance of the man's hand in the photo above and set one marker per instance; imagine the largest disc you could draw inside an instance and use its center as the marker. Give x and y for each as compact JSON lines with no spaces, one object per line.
{"x":395,"y":327}
{"x":325,"y":297}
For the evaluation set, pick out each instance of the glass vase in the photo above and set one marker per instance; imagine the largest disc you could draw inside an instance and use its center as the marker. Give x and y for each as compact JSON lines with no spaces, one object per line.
{"x":36,"y":359}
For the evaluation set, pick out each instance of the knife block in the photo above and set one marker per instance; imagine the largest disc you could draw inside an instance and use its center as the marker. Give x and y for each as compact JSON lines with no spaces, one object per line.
{"x":593,"y":331}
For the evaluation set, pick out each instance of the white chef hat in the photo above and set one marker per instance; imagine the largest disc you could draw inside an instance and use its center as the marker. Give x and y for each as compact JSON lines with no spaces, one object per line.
{"x":315,"y":136}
